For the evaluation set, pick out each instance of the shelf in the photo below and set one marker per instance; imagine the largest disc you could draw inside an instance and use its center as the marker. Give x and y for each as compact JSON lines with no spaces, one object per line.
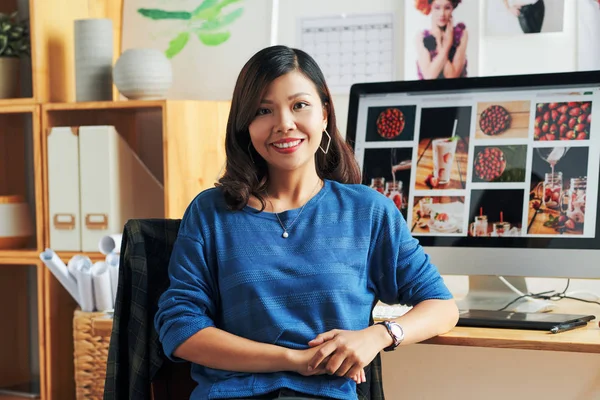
{"x":18,"y":105}
{"x":15,"y":108}
{"x":19,"y":256}
{"x":104,"y":105}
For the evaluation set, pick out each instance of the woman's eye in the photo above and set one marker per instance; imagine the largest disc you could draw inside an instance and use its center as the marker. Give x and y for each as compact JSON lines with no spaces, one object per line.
{"x":298,"y":106}
{"x":263,"y":111}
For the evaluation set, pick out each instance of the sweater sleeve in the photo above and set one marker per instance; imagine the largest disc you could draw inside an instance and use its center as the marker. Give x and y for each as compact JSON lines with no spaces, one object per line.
{"x":400,"y":269}
{"x":188,"y":305}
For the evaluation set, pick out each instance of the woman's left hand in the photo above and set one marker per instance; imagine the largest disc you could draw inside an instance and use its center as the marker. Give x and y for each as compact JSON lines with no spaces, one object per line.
{"x":347,"y":352}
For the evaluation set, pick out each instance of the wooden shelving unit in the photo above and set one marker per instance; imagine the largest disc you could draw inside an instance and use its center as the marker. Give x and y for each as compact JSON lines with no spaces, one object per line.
{"x":180,"y":141}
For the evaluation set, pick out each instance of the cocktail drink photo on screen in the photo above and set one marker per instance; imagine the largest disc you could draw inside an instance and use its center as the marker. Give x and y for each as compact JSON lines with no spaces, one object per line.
{"x":425,"y":206}
{"x":444,"y":150}
{"x":553,"y":185}
{"x":501,"y":228}
{"x":479,"y":228}
{"x":575,"y":200}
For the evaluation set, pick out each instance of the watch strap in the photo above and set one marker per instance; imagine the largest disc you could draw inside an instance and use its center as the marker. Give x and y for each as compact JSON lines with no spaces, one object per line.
{"x":395,"y":341}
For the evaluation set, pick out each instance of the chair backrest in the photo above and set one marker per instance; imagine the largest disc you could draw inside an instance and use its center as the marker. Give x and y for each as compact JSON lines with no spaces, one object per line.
{"x":137,"y":367}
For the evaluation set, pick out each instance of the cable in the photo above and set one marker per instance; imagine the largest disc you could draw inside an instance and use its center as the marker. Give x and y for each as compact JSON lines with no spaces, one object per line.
{"x":534,"y":296}
{"x":517,"y":291}
{"x":551,"y":295}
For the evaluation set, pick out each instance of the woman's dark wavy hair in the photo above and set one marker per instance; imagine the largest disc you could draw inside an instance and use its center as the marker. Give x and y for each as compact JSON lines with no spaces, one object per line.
{"x":246,"y":172}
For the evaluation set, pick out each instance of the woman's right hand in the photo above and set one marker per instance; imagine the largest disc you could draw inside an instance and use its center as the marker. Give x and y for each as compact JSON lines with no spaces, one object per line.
{"x":299,"y":363}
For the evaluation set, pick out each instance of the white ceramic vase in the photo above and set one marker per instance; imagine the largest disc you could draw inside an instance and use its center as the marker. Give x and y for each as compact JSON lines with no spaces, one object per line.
{"x":93,"y":59}
{"x":143,"y":74}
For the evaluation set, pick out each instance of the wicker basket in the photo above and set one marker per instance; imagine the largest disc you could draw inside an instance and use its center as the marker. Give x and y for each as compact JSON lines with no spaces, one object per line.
{"x":91,"y":335}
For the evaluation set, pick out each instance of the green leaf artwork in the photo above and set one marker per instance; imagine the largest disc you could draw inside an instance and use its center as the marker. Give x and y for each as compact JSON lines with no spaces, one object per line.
{"x":208,"y":22}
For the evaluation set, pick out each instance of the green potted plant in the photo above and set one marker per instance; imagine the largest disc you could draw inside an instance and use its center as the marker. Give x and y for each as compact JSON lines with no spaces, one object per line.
{"x":14,"y":43}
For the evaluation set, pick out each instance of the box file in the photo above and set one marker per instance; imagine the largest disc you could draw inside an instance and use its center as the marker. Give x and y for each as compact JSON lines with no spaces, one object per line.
{"x":115,"y":185}
{"x":96,"y":182}
{"x":63,"y":189}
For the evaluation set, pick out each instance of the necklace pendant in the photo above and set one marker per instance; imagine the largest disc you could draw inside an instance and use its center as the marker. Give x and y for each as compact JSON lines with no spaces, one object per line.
{"x":285,"y":235}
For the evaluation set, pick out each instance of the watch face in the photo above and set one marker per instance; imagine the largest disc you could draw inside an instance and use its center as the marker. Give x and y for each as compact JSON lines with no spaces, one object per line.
{"x":397,"y":331}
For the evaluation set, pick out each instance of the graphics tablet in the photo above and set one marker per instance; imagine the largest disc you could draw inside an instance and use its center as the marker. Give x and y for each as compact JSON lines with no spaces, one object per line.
{"x":517,"y":320}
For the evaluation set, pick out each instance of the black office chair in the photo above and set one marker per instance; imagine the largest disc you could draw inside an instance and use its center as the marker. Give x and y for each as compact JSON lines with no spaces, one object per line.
{"x":136,"y":366}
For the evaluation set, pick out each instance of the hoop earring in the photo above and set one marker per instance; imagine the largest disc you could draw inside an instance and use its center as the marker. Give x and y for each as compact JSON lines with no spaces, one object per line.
{"x":250,"y":153}
{"x":326,"y":150}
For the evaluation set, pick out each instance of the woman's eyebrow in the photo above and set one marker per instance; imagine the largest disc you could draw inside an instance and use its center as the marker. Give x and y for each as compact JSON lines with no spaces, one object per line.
{"x":267,"y":101}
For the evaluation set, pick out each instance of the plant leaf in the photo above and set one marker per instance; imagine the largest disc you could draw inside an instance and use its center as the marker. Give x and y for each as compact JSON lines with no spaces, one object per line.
{"x":156,"y":14}
{"x":222,"y":22}
{"x":177,"y":44}
{"x":211,"y":10}
{"x":214,"y":39}
{"x":206,"y":4}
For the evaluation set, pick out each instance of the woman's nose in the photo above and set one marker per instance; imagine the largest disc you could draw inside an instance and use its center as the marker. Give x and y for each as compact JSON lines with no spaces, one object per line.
{"x":285,"y":122}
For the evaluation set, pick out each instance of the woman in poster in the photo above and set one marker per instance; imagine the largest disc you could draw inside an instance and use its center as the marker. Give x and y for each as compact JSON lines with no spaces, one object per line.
{"x":529,"y":12}
{"x":442,"y":50}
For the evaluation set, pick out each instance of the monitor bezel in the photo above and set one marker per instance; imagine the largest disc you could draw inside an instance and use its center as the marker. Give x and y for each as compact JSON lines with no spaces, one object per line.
{"x":497,"y":256}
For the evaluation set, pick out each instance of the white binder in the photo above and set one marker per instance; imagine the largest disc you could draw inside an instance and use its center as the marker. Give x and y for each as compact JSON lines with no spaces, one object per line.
{"x":115,"y":185}
{"x":63,"y":189}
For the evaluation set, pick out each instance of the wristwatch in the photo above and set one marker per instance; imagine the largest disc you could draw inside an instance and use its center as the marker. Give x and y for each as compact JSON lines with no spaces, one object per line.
{"x":395,"y":331}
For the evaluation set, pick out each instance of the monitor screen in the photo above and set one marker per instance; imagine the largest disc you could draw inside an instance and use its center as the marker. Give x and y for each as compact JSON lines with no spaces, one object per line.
{"x":493,"y":175}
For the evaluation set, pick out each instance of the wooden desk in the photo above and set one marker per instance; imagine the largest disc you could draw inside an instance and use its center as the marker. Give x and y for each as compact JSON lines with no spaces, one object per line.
{"x":581,"y":340}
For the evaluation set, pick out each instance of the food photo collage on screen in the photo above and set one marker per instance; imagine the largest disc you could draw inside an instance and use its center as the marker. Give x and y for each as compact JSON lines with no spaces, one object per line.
{"x":493,"y":164}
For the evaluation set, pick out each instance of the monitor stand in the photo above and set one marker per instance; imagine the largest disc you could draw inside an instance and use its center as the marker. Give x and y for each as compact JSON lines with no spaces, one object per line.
{"x":490,"y":293}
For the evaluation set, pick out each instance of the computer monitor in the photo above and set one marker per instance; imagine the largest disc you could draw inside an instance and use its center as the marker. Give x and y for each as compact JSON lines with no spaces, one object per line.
{"x":491,"y":174}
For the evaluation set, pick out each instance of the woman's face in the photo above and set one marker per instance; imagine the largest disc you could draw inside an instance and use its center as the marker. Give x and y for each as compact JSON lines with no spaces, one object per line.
{"x":441,"y":11}
{"x":289,"y":123}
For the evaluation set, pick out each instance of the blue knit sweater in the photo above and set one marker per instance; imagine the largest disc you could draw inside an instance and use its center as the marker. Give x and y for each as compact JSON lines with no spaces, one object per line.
{"x":348,"y":248}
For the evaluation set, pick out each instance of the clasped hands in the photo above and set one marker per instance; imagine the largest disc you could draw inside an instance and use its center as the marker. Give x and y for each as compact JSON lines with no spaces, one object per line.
{"x":342,"y":353}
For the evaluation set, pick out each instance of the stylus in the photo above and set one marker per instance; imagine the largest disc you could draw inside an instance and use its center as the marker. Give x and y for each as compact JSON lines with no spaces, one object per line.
{"x":567,"y":327}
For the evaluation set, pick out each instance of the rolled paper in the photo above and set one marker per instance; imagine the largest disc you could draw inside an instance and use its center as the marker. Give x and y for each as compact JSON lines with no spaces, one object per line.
{"x":60,"y":271}
{"x":110,"y":244}
{"x":102,"y":290}
{"x":77,"y":262}
{"x":81,"y":267}
{"x":112,"y":260}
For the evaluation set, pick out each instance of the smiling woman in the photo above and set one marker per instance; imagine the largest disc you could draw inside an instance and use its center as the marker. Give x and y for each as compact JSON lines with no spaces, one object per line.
{"x":281,"y":96}
{"x":275,"y":272}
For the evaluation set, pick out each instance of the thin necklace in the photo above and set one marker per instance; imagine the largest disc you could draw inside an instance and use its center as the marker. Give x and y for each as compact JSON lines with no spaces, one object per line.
{"x":285,"y":233}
